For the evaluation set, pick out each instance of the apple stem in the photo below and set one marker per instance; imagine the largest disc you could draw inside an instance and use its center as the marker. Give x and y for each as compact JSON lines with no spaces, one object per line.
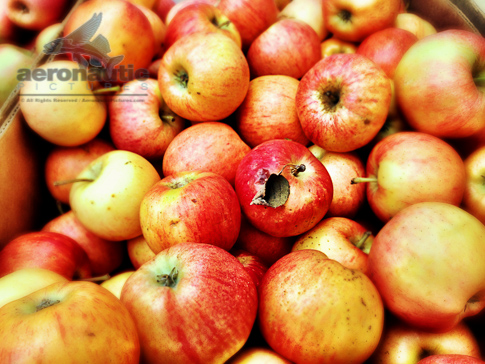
{"x":362,"y":179}
{"x":46,"y":303}
{"x":106,"y":90}
{"x":59,"y":207}
{"x":296,"y":168}
{"x":66,"y":182}
{"x":225,"y":24}
{"x":362,"y":240}
{"x":168,"y":118}
{"x":168,"y":280}
{"x":96,"y":279}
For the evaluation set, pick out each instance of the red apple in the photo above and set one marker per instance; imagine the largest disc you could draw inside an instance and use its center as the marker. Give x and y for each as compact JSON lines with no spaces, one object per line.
{"x":288,"y":47}
{"x":314,"y":310}
{"x":450,"y":359}
{"x":284,"y":190}
{"x":347,"y":199}
{"x":180,"y":5}
{"x":343,"y":102}
{"x":341,"y":239}
{"x":65,"y":163}
{"x":210,"y":146}
{"x":158,"y":27}
{"x":253,"y":265}
{"x":68,"y":322}
{"x":439,"y":84}
{"x":411,"y":167}
{"x":104,"y":255}
{"x":162,"y":7}
{"x":204,"y":76}
{"x":200,"y":17}
{"x":146,"y":126}
{"x":138,"y":251}
{"x":48,"y":250}
{"x":191,"y":303}
{"x":354,"y":20}
{"x":36,"y":15}
{"x":269,"y":111}
{"x":386,"y":47}
{"x":193,"y":206}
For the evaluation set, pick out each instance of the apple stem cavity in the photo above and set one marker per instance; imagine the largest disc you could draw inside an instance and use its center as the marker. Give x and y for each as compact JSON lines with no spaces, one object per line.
{"x":74,"y":180}
{"x":46,"y":303}
{"x":360,"y":243}
{"x":345,"y":15}
{"x":182,"y":77}
{"x":362,"y":180}
{"x":21,"y":7}
{"x":479,"y":80}
{"x":168,"y":280}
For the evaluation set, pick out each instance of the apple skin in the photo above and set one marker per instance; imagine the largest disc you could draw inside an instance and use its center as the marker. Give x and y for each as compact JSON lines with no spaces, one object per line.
{"x":46,"y":35}
{"x":253,"y":265}
{"x":48,"y":250}
{"x":206,"y":316}
{"x":411,"y":167}
{"x":440,"y":69}
{"x":162,"y":7}
{"x":341,"y":239}
{"x":24,"y":281}
{"x":115,"y":283}
{"x":109,"y":204}
{"x":347,"y":198}
{"x":414,"y":24}
{"x":288,"y":47}
{"x":251,"y":17}
{"x":269,"y":111}
{"x":450,"y":359}
{"x":210,"y":147}
{"x":104,"y":255}
{"x":309,"y":11}
{"x":134,"y":39}
{"x":147,"y":127}
{"x":401,"y":343}
{"x":65,"y":163}
{"x":158,"y":27}
{"x":354,"y":20}
{"x":192,"y":206}
{"x":314,"y":310}
{"x":180,"y":5}
{"x":204,"y":76}
{"x":310,"y":194}
{"x":266,"y":247}
{"x":138,"y":251}
{"x":12,"y":58}
{"x":473,"y":198}
{"x":69,"y":123}
{"x":68,"y":321}
{"x":200,"y":17}
{"x":413,"y":263}
{"x":334,"y":45}
{"x":36,"y":15}
{"x":386,"y":47}
{"x":257,"y":355}
{"x":343,"y":102}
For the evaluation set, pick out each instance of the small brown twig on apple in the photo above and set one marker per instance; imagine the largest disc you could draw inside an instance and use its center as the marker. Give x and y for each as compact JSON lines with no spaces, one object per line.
{"x":74,"y":180}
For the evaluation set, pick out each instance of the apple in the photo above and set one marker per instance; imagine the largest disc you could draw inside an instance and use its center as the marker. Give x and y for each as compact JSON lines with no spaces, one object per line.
{"x":439,"y":84}
{"x":288,"y":47}
{"x":133,"y":39}
{"x":473,"y":198}
{"x":158,"y":27}
{"x":414,"y":24}
{"x":252,"y":263}
{"x":283,"y":189}
{"x":68,"y":322}
{"x":251,"y":17}
{"x":450,"y":359}
{"x":147,"y":4}
{"x":23,"y":282}
{"x":200,"y":17}
{"x":314,"y":310}
{"x":104,"y":255}
{"x":269,"y":111}
{"x":180,"y":5}
{"x":428,"y":264}
{"x":192,"y":206}
{"x":36,"y":15}
{"x":48,"y":250}
{"x":341,"y":239}
{"x":54,"y":109}
{"x":343,"y":102}
{"x":266,"y":247}
{"x":401,"y":343}
{"x":191,"y":303}
{"x":386,"y":47}
{"x":411,"y":167}
{"x":204,"y":76}
{"x":138,"y":251}
{"x":309,"y":11}
{"x":347,"y":198}
{"x":257,"y":355}
{"x":354,"y":20}
{"x":162,"y":8}
{"x":334,"y":45}
{"x":12,"y":58}
{"x":65,"y":163}
{"x":9,"y":31}
{"x":115,"y":283}
{"x":47,"y":35}
{"x":210,"y":147}
{"x":145,"y":127}
{"x":107,"y":194}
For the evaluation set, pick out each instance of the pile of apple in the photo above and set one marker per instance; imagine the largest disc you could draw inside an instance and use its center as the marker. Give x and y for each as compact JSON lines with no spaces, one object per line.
{"x":269,"y":181}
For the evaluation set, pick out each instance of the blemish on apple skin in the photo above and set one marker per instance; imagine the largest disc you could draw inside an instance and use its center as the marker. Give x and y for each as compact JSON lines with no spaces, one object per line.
{"x":362,"y":301}
{"x":92,"y":202}
{"x":127,"y":162}
{"x":112,"y":195}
